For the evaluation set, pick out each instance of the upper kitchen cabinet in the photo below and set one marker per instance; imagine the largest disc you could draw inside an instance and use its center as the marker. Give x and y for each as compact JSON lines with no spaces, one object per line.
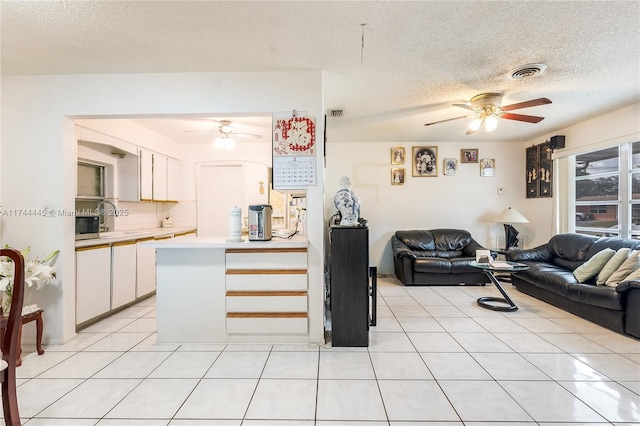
{"x":174,"y":169}
{"x":146,"y":175}
{"x":159,"y":177}
{"x":128,"y":185}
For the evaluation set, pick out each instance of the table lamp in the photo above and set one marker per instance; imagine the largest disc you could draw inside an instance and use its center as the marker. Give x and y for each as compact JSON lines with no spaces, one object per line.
{"x":509,"y":216}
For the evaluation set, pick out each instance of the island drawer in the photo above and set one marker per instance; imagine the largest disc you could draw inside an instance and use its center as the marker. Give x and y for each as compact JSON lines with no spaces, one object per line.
{"x":266,"y":258}
{"x":242,"y":280}
{"x":267,"y":323}
{"x":266,"y":301}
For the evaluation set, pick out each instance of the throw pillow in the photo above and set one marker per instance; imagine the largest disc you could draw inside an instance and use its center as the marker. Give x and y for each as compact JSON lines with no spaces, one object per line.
{"x":591,"y":267}
{"x":635,"y":275}
{"x":612,"y":265}
{"x":628,"y":266}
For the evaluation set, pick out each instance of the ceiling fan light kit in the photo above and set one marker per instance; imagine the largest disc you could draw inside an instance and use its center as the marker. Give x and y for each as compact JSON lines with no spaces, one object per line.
{"x":224,"y":142}
{"x":487,"y":108}
{"x":225,"y":127}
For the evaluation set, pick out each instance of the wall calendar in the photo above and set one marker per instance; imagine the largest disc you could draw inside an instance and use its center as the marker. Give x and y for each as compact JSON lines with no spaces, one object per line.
{"x":294,"y":172}
{"x":294,"y":160}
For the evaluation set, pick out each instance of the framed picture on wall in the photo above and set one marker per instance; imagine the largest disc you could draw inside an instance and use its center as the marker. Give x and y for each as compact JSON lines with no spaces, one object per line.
{"x":397,"y":176}
{"x":545,"y":166}
{"x":487,"y":167}
{"x":469,"y":155}
{"x":532,"y":171}
{"x":450,"y":167}
{"x":397,"y":155}
{"x":425,"y":161}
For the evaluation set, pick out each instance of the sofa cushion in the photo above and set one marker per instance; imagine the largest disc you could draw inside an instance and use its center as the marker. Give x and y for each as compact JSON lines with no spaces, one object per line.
{"x":628,"y":266}
{"x":633,"y":276}
{"x":417,"y":239}
{"x":612,"y":265}
{"x":448,"y":254}
{"x":450,"y":239}
{"x":614,"y":243}
{"x":548,"y":276}
{"x":572,"y":247}
{"x":434,"y":265}
{"x":462,"y":265}
{"x":560,"y":281}
{"x":592,"y":267}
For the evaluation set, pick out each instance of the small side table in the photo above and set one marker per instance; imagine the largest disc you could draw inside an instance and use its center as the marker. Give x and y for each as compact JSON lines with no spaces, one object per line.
{"x":27,"y":318}
{"x":506,"y":304}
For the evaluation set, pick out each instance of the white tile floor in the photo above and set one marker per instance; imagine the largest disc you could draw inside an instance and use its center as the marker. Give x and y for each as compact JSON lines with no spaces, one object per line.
{"x":435,"y":358}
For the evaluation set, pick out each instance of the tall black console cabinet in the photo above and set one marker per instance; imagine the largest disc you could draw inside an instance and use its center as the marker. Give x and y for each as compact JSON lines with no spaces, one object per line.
{"x":349,"y":291}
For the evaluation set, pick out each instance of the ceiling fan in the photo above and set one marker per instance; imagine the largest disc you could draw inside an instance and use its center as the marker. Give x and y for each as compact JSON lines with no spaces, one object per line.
{"x":226,"y":131}
{"x":486,"y":108}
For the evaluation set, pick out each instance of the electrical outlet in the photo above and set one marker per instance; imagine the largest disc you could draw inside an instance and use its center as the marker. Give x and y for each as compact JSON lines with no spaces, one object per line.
{"x":500,"y":191}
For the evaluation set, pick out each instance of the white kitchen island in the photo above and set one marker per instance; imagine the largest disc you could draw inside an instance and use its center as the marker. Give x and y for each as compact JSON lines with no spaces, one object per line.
{"x":213,"y":291}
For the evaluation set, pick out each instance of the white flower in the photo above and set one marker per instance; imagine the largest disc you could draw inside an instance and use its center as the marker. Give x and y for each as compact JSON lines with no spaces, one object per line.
{"x":35,"y":271}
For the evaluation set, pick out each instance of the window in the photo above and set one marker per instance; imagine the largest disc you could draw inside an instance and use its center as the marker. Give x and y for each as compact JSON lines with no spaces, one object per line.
{"x":607,"y":199}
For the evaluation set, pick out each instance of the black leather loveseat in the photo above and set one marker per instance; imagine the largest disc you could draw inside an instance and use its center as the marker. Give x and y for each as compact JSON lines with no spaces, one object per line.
{"x":436,"y":256}
{"x":550,"y":278}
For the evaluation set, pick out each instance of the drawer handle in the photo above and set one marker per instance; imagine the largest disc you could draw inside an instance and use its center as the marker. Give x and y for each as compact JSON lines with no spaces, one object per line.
{"x":267,"y":293}
{"x":267,"y":315}
{"x":265,"y":271}
{"x":268,"y":250}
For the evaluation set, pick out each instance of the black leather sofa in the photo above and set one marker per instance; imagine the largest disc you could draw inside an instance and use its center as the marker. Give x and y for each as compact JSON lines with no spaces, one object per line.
{"x":436,"y":256}
{"x":550,"y":278}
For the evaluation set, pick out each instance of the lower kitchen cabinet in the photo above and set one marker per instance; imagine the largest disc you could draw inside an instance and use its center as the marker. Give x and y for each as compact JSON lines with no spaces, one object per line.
{"x":123,"y":273}
{"x":93,"y":282}
{"x":266,"y":291}
{"x":146,"y":268}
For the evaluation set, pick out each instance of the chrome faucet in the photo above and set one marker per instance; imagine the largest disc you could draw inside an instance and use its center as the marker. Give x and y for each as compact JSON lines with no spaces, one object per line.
{"x":103,"y":213}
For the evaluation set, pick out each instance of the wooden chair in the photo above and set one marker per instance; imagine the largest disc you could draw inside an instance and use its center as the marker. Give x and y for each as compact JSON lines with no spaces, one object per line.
{"x":10,"y":343}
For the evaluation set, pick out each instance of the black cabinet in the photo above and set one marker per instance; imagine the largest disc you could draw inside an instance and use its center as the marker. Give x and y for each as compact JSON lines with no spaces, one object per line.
{"x":349,"y":286}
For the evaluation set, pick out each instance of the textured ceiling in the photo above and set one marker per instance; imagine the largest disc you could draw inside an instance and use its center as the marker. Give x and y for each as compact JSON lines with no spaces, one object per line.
{"x":404,"y":68}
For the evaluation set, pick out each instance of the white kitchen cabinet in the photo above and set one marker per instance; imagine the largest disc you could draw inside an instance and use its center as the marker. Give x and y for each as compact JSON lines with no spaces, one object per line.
{"x":174,"y":179}
{"x":93,"y":282}
{"x":123,"y":273}
{"x":146,"y":268}
{"x":128,"y":181}
{"x":159,"y":177}
{"x":266,"y":291}
{"x":146,"y":175}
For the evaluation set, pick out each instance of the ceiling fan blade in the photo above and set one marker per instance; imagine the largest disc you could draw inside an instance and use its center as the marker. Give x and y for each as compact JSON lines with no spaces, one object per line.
{"x":200,"y":131}
{"x":526,"y":104}
{"x":448,"y":119}
{"x":465,"y":106}
{"x":522,"y":117}
{"x":245,"y":135}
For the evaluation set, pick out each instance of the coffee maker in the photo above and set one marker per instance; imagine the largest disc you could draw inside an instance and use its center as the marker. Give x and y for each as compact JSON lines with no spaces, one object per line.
{"x":260,"y":222}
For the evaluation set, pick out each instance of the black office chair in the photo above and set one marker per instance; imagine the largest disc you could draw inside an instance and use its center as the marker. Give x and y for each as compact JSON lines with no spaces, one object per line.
{"x":10,"y":343}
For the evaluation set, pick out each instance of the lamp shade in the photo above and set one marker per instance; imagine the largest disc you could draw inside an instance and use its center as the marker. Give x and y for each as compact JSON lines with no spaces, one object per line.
{"x":511,"y":215}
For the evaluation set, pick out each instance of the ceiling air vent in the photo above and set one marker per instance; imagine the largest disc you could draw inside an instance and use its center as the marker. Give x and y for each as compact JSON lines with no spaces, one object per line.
{"x":527,"y":71}
{"x":335,"y":112}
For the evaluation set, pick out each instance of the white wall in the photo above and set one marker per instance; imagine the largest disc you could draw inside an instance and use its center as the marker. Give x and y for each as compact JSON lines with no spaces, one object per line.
{"x":466,"y":200}
{"x":39,"y":154}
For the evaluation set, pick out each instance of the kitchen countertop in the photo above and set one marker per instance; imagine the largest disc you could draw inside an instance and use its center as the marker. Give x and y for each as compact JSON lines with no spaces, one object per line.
{"x":221,"y":242}
{"x":133,"y":235}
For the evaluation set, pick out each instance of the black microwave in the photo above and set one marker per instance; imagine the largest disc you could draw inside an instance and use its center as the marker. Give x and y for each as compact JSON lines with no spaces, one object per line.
{"x":87,"y":227}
